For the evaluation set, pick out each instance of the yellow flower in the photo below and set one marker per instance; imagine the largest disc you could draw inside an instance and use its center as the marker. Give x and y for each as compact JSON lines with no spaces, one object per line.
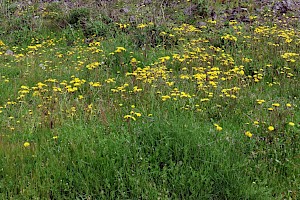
{"x":249,"y":134}
{"x":2,"y":43}
{"x":129,"y":117}
{"x":26,"y":144}
{"x":276,"y":104}
{"x":205,"y":99}
{"x":55,"y":137}
{"x":136,"y":89}
{"x":219,"y":128}
{"x":164,"y":98}
{"x":95,"y":84}
{"x":138,"y":114}
{"x":120,"y":49}
{"x":291,"y":123}
{"x":271,"y":128}
{"x":73,"y":109}
{"x":133,"y":61}
{"x":141,"y":26}
{"x":260,"y":101}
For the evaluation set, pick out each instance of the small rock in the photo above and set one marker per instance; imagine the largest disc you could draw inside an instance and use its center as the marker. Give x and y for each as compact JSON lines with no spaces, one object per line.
{"x":245,"y":19}
{"x":285,"y":6}
{"x":200,"y":24}
{"x":213,"y":15}
{"x":9,"y":52}
{"x":124,"y":10}
{"x":132,"y":19}
{"x":147,"y":2}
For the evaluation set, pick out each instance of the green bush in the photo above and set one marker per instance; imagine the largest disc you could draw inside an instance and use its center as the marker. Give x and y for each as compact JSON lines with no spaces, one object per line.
{"x":98,"y":28}
{"x":78,"y":15}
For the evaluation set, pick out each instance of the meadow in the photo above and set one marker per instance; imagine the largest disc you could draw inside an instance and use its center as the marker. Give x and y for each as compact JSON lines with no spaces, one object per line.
{"x":151,"y":111}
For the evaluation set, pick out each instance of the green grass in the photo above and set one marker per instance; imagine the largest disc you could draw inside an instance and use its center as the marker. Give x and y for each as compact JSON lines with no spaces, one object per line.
{"x":156,"y":110}
{"x":165,"y":158}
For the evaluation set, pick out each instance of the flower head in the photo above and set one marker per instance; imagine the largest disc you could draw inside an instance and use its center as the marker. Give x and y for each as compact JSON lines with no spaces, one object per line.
{"x":271,"y":128}
{"x":276,"y":104}
{"x":249,"y":134}
{"x":291,"y":123}
{"x":26,"y":144}
{"x":218,"y":128}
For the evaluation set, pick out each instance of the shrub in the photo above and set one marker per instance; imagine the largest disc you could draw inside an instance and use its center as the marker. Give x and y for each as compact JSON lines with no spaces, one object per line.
{"x":78,"y":15}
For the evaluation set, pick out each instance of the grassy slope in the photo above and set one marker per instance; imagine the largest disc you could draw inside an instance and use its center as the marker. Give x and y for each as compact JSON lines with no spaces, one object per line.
{"x":169,"y":124}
